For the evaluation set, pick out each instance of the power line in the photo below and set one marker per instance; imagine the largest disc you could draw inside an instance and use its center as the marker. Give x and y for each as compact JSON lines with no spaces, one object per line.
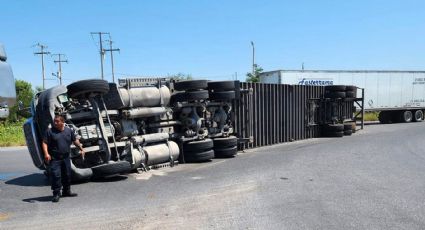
{"x":59,"y":61}
{"x":112,"y":56}
{"x":102,"y":52}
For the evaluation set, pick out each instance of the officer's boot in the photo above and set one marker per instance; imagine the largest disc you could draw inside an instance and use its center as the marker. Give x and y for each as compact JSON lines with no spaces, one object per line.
{"x":56,"y":197}
{"x":67,"y":193}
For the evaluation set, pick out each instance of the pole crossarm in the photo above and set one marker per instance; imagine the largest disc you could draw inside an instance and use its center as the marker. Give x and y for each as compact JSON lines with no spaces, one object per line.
{"x":59,"y":61}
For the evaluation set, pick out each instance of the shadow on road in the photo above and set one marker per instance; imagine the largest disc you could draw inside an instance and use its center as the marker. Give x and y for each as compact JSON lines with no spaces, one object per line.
{"x":32,"y":180}
{"x":110,"y":179}
{"x":373,"y":123}
{"x":38,"y":199}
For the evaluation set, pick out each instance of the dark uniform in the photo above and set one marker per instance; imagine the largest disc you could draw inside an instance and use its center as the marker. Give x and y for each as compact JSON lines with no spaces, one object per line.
{"x":59,"y":148}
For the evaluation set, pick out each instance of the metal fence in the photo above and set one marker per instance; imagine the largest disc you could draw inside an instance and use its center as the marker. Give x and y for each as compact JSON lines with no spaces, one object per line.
{"x":268,"y":114}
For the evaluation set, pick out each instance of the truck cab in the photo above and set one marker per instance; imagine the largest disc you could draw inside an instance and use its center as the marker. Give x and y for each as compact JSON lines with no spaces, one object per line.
{"x":7,"y":86}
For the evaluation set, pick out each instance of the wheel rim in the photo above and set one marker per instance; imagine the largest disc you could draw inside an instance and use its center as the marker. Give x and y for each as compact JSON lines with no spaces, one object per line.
{"x":407,"y":116}
{"x":419,"y":115}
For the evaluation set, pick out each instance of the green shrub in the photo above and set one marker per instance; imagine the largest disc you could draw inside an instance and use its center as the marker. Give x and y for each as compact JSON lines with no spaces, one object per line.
{"x":371,"y":116}
{"x":11,"y":133}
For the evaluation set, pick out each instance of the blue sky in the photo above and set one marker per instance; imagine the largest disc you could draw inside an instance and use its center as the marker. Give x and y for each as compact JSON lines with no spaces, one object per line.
{"x":211,"y":39}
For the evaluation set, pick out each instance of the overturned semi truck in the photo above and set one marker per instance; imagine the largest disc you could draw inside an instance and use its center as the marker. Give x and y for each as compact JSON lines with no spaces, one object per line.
{"x":144,"y":123}
{"x":136,"y":124}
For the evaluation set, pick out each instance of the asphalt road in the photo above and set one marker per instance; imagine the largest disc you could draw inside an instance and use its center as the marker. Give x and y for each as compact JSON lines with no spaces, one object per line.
{"x":371,"y":180}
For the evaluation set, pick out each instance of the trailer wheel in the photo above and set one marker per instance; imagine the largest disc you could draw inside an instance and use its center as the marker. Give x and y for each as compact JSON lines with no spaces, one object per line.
{"x":190,"y":85}
{"x":351,"y":88}
{"x":419,"y":115}
{"x":226,"y":152}
{"x":348,"y":126}
{"x":334,"y":134}
{"x":225,"y":95}
{"x":329,"y":128}
{"x":348,"y":132}
{"x":218,"y":86}
{"x":385,"y":117}
{"x":350,"y":94}
{"x":335,"y":88}
{"x":84,"y":87}
{"x":190,"y":96}
{"x":406,"y":116}
{"x":199,"y":156}
{"x":335,"y":94}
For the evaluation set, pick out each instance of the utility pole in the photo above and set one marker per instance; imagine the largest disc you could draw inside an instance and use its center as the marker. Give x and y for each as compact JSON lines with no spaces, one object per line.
{"x":112,"y":57}
{"x":42,"y":53}
{"x":102,"y":52}
{"x":253,"y":58}
{"x":59,"y":74}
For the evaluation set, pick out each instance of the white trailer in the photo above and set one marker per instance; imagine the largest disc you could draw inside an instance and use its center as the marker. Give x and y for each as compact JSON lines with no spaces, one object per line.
{"x":7,"y":85}
{"x":398,"y":95}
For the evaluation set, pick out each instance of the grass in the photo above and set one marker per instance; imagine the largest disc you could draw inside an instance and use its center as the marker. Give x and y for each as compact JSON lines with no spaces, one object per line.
{"x":11,"y":134}
{"x":371,"y":116}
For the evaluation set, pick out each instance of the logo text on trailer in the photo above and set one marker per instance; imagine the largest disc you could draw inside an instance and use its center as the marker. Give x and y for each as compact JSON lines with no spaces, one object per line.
{"x":319,"y":82}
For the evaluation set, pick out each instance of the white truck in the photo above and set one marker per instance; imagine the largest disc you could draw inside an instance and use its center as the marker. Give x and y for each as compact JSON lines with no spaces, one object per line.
{"x":399,"y":96}
{"x":7,"y":85}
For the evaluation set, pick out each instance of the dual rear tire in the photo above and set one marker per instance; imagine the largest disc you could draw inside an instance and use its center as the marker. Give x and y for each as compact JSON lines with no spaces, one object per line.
{"x":387,"y":117}
{"x":340,"y":91}
{"x":225,"y":147}
{"x":198,"y":151}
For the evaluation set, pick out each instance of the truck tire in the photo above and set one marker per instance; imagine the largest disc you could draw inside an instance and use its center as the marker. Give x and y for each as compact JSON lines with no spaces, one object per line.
{"x":112,"y":168}
{"x":226,"y":152}
{"x":218,"y":86}
{"x":335,"y":94}
{"x":190,"y":85}
{"x":224,"y":95}
{"x":348,"y":126}
{"x":198,"y":146}
{"x":225,"y":142}
{"x":385,"y":117}
{"x":192,"y":157}
{"x":190,"y":96}
{"x":348,"y":132}
{"x":419,"y":116}
{"x":334,"y":128}
{"x":351,"y":88}
{"x":85,"y":87}
{"x":406,"y":116}
{"x":335,"y":88}
{"x":350,"y":94}
{"x":334,"y":134}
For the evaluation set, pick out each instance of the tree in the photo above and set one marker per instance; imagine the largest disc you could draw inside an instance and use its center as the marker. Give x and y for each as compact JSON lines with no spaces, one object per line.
{"x":181,"y":76}
{"x":256,"y":76}
{"x":24,"y":93}
{"x":38,"y":89}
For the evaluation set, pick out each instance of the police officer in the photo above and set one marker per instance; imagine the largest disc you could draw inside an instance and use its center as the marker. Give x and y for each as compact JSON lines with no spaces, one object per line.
{"x":56,"y":148}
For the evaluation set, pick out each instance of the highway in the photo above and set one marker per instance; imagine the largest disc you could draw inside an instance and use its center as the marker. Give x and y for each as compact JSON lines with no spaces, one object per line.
{"x":371,"y":180}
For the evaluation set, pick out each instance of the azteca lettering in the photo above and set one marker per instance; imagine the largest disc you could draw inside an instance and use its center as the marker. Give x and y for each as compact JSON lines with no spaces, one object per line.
{"x":306,"y":81}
